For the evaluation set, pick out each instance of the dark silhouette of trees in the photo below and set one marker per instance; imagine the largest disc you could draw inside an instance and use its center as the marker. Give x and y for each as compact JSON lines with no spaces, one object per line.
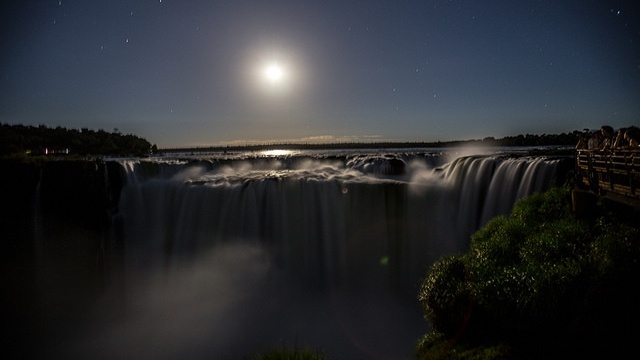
{"x":564,"y":139}
{"x":42,"y":140}
{"x":21,"y":139}
{"x":540,"y":140}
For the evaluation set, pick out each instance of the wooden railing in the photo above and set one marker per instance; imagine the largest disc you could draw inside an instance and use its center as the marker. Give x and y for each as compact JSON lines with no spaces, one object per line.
{"x":612,"y":172}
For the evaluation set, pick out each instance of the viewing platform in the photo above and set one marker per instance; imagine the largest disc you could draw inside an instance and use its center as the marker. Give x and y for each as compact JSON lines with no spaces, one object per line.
{"x":614,"y":174}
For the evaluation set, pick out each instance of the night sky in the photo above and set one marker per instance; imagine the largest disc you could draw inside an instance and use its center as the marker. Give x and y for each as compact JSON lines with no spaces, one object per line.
{"x":196,"y":72}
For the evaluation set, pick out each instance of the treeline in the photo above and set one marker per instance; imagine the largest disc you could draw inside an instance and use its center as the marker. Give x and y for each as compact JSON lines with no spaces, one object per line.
{"x":563,"y":139}
{"x":42,"y":140}
{"x":536,"y":140}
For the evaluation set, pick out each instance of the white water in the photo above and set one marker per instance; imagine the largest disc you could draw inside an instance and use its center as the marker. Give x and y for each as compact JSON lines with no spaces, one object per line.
{"x":225,"y":257}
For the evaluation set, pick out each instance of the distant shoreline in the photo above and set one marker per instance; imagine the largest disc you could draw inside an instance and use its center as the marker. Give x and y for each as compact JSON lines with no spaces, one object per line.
{"x":21,"y":140}
{"x":362,"y":145}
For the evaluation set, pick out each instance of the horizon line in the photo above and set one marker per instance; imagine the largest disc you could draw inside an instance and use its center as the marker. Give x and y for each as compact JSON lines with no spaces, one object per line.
{"x":488,"y":141}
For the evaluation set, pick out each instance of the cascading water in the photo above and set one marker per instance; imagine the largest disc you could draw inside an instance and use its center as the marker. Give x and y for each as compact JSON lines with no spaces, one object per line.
{"x":223,"y":257}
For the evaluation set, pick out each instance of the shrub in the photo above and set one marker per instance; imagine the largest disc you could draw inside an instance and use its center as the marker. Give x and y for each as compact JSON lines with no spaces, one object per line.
{"x":539,"y":274}
{"x":445,"y":295}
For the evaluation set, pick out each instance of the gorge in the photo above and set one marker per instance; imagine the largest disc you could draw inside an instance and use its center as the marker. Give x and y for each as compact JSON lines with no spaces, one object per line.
{"x":227,"y":254}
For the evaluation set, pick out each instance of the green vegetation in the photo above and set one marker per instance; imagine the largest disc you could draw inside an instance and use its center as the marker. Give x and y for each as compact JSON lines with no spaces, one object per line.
{"x":539,"y":283}
{"x":20,"y":140}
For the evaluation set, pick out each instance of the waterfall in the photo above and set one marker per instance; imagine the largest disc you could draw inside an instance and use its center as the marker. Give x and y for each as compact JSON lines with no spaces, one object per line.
{"x":224,"y":256}
{"x":322,"y":215}
{"x":490,"y":186}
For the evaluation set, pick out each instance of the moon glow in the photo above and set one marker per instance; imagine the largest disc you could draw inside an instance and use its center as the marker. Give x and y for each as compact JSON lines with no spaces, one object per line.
{"x":274,"y":73}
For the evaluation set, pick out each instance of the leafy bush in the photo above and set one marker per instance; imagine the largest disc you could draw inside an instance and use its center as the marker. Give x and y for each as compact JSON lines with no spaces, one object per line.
{"x":447,"y":296}
{"x":540,"y":274}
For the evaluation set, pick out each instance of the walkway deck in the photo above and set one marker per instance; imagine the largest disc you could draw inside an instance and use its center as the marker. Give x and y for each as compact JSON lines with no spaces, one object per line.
{"x":615,"y":173}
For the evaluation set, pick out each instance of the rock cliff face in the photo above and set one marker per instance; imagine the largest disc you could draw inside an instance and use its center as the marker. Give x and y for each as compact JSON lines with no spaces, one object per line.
{"x":54,"y":217}
{"x":45,"y":198}
{"x":17,"y":188}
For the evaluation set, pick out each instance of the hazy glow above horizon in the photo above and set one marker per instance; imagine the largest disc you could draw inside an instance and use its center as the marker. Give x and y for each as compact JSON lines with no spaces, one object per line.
{"x":211,"y":72}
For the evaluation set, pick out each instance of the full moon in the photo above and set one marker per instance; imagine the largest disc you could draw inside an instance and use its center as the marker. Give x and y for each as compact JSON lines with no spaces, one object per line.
{"x":274,"y":73}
